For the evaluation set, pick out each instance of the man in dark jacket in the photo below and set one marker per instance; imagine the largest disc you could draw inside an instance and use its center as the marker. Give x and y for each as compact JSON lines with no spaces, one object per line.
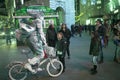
{"x":51,"y":36}
{"x":101,"y":31}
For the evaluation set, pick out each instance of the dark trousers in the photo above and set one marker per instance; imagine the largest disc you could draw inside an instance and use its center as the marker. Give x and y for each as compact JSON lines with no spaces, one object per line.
{"x":67,"y":49}
{"x":101,"y":53}
{"x":62,"y":59}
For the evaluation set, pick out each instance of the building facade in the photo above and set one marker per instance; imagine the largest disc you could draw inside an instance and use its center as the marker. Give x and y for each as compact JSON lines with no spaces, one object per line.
{"x":65,"y":9}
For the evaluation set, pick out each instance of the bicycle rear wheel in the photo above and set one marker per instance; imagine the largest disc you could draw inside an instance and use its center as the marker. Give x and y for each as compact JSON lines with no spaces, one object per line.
{"x":17,"y":72}
{"x":54,"y":68}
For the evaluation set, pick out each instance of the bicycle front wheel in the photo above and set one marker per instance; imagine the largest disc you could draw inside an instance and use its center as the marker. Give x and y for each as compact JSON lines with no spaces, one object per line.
{"x":54,"y":68}
{"x":17,"y":72}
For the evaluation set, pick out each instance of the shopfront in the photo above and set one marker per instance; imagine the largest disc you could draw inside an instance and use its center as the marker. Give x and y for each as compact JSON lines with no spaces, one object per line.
{"x":50,"y":16}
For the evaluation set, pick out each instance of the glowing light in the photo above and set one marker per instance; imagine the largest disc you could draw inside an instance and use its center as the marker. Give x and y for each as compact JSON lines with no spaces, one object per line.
{"x":11,"y":33}
{"x":116,"y":11}
{"x":88,"y":22}
{"x":3,"y":33}
{"x":119,"y":2}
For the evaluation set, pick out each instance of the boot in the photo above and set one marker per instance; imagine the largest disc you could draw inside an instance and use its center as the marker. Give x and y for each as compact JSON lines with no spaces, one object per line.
{"x":29,"y":67}
{"x":94,"y":70}
{"x":34,"y":60}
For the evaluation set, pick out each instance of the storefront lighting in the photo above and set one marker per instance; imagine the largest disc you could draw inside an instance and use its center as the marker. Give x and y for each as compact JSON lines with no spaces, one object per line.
{"x":3,"y":33}
{"x":22,"y":2}
{"x":87,"y":21}
{"x":116,"y":11}
{"x":14,"y":4}
{"x":11,"y":33}
{"x":99,"y":2}
{"x":119,"y":2}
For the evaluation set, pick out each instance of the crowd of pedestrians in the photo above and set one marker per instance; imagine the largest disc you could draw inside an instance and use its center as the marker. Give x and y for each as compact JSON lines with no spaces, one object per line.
{"x":100,"y":34}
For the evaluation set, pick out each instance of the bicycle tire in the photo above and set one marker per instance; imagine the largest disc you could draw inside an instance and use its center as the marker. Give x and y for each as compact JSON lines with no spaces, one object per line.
{"x":55,"y":64}
{"x":16,"y":71}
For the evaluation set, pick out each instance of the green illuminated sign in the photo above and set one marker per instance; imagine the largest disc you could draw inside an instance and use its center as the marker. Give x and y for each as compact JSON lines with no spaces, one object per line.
{"x":45,"y":9}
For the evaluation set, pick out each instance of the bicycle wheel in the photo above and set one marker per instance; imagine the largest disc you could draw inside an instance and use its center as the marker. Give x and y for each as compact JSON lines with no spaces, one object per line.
{"x":17,"y":72}
{"x":54,"y":68}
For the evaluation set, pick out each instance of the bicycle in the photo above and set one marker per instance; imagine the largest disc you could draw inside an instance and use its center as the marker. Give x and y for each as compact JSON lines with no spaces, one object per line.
{"x":18,"y":72}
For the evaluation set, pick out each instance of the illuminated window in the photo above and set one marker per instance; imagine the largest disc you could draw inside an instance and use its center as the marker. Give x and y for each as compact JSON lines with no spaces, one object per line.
{"x":83,"y":2}
{"x":99,"y":2}
{"x":93,"y":2}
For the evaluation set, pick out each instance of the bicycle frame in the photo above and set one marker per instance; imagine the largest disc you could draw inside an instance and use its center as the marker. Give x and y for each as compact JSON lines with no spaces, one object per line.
{"x":49,"y":59}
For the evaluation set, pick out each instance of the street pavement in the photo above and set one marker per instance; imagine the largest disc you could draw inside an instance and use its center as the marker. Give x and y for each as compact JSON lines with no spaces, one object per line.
{"x":77,"y":67}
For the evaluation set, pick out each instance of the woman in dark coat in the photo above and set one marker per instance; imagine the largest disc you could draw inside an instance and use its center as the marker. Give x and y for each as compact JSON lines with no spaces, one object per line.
{"x":51,"y":36}
{"x":67,"y":34}
{"x":94,"y":50}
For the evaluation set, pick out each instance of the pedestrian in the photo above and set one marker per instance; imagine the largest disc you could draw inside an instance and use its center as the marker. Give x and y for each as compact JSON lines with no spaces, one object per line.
{"x":116,"y":41}
{"x":94,"y":50}
{"x":101,"y":31}
{"x":107,"y":27}
{"x":51,"y":36}
{"x":8,"y":35}
{"x":80,"y":30}
{"x":72,"y":30}
{"x":61,"y":46}
{"x":67,"y":34}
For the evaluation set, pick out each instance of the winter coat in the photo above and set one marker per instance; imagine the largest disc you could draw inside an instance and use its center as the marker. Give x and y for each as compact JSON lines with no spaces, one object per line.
{"x":51,"y":37}
{"x":61,"y":46}
{"x":66,"y":33}
{"x":101,"y":30}
{"x":94,"y":47}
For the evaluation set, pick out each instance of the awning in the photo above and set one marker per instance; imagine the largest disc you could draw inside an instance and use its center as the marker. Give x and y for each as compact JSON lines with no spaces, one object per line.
{"x":96,"y":16}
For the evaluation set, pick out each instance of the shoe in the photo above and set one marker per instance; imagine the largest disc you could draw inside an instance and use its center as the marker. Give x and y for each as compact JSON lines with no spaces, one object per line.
{"x":100,"y":62}
{"x":92,"y":69}
{"x":29,"y":67}
{"x":94,"y":72}
{"x":39,"y":69}
{"x":63,"y":71}
{"x":34,"y":60}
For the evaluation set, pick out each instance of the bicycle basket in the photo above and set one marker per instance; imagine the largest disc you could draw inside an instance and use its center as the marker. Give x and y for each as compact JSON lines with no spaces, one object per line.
{"x":50,"y":51}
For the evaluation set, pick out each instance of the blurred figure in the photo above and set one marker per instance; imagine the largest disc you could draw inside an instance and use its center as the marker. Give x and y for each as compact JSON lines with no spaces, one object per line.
{"x":7,"y":35}
{"x":80,"y":30}
{"x":35,"y":40}
{"x":61,"y":46}
{"x":94,"y":50}
{"x":51,"y":36}
{"x":67,"y":34}
{"x":116,"y":40}
{"x":101,"y":31}
{"x":72,"y":30}
{"x":107,"y":27}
